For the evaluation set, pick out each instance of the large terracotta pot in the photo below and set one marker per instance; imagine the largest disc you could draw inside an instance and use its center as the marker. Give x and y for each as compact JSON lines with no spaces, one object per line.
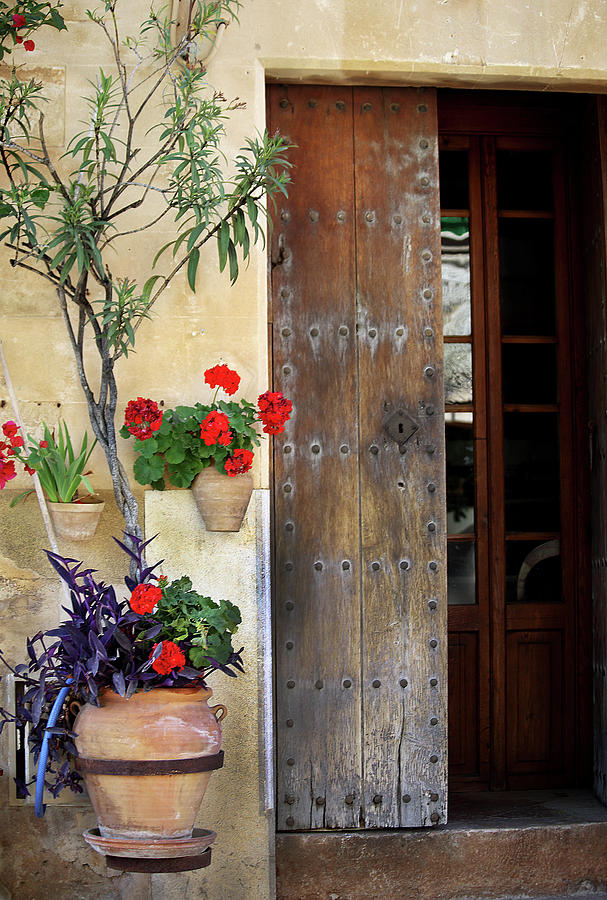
{"x":75,"y":521}
{"x":222,"y":499}
{"x":168,"y":730}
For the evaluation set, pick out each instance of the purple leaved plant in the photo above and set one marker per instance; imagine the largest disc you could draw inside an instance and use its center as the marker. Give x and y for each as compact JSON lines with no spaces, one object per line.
{"x":104,"y":644}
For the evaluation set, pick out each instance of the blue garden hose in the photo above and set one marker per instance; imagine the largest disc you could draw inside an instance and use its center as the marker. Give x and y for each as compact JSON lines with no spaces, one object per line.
{"x":40,"y":806}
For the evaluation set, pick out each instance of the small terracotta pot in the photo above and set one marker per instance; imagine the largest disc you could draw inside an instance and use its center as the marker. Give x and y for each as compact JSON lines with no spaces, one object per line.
{"x":75,"y":521}
{"x":222,"y":499}
{"x":162,"y":724}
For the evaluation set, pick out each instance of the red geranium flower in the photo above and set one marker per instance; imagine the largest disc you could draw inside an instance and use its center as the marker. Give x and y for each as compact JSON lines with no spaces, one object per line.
{"x":239,"y":462}
{"x":43,"y":444}
{"x":10,"y":429}
{"x":221,"y":376}
{"x":7,"y":471}
{"x":215,"y":429}
{"x":142,"y":418}
{"x":274,"y":410}
{"x":28,"y":470}
{"x":29,"y":45}
{"x":18,"y":39}
{"x":18,"y":20}
{"x":144,"y":598}
{"x":16,"y":440}
{"x":170,"y":658}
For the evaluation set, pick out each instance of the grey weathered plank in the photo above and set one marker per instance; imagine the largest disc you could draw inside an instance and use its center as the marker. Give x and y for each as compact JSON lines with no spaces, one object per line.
{"x":402,"y":494}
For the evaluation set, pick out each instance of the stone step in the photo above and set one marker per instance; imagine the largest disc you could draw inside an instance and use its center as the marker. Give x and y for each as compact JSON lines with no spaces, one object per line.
{"x":535,"y":844}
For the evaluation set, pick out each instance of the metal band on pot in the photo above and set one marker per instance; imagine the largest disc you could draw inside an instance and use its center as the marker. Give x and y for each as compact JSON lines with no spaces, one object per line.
{"x":149,"y":766}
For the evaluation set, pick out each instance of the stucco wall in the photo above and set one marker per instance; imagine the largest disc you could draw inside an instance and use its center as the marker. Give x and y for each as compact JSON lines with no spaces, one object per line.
{"x":549,"y":44}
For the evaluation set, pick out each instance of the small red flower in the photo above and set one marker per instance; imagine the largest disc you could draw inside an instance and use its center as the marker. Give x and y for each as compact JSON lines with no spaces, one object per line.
{"x":144,"y":598}
{"x":221,"y":376}
{"x":43,"y":444}
{"x":142,"y":418}
{"x":16,"y":440}
{"x":10,"y":429}
{"x":29,"y":45}
{"x":28,"y":470}
{"x":274,"y":410}
{"x":170,"y":658}
{"x":18,"y":39}
{"x":7,"y":471}
{"x":215,"y":429}
{"x":18,"y":20}
{"x":239,"y":462}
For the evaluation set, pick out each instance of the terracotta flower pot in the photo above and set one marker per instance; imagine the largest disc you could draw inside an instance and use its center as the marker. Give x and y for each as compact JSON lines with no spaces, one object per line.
{"x":168,"y":741}
{"x":75,"y":521}
{"x":222,"y":499}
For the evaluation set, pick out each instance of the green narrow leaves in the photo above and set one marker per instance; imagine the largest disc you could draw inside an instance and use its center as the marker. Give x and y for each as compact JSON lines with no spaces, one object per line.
{"x":193,"y":267}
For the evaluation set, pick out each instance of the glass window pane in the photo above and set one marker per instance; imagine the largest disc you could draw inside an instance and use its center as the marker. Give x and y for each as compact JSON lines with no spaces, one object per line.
{"x":453,"y":179}
{"x":461,"y":575}
{"x":529,"y":373}
{"x":531,"y":472}
{"x":455,"y":261}
{"x":459,"y":437}
{"x":533,"y":572}
{"x":458,"y":373}
{"x":527,"y":276}
{"x":524,"y":179}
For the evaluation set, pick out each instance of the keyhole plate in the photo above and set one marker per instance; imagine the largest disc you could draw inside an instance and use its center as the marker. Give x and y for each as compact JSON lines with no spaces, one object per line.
{"x":400,"y":426}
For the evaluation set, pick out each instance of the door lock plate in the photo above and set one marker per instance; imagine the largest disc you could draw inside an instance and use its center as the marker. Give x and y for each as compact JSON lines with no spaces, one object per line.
{"x":400,"y":427}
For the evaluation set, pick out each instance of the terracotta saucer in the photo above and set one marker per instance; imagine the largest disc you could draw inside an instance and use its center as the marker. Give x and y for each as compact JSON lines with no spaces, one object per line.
{"x":164,"y":848}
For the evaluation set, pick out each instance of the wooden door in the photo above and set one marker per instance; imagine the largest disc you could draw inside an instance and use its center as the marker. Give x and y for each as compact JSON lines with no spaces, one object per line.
{"x":515,"y":449}
{"x":359,"y":515}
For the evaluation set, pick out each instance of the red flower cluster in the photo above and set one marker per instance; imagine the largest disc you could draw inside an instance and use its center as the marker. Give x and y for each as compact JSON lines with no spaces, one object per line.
{"x":11,"y":430}
{"x":7,"y":466}
{"x":19,"y":22}
{"x":142,"y":418}
{"x":274,"y":410}
{"x":170,"y":658}
{"x":239,"y":462}
{"x":220,"y":376}
{"x":215,"y":429}
{"x":144,"y":598}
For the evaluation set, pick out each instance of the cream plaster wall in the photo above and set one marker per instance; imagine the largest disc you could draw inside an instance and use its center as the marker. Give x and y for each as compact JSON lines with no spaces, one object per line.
{"x":535,"y":45}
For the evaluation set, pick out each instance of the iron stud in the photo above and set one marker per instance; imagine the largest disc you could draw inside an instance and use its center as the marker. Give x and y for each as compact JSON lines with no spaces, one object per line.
{"x":290,"y":761}
{"x":349,"y":799}
{"x":434,"y":758}
{"x":291,"y":684}
{"x":434,"y":818}
{"x":290,"y":821}
{"x":433,"y":566}
{"x":286,"y":332}
{"x":424,"y":144}
{"x":395,"y":107}
{"x":319,"y":684}
{"x":370,"y":215}
{"x":376,"y":683}
{"x":375,"y":566}
{"x":431,"y":526}
{"x":290,"y":799}
{"x":429,"y":371}
{"x":434,"y":643}
{"x":367,"y":107}
{"x":313,"y":332}
{"x":287,"y":448}
{"x":345,"y":565}
{"x":404,"y":564}
{"x":434,"y":720}
{"x":289,"y":567}
{"x":284,"y":103}
{"x":426,"y":256}
{"x":431,"y":485}
{"x":377,"y":799}
{"x":343,"y":331}
{"x":312,"y":104}
{"x":406,"y":798}
{"x":374,"y":449}
{"x":397,"y":220}
{"x":427,"y":294}
{"x":318,"y":566}
{"x":400,"y":332}
{"x":433,"y":682}
{"x":340,"y":105}
{"x":372,"y":332}
{"x":341,"y":215}
{"x":344,"y":448}
{"x":289,"y":645}
{"x":347,"y":683}
{"x":424,"y":180}
{"x":320,"y":801}
{"x":434,"y":797}
{"x":315,"y":448}
{"x":422,"y":108}
{"x":290,"y":723}
{"x":289,"y":526}
{"x":314,"y":215}
{"x":289,"y":605}
{"x":426,"y":218}
{"x":403,"y":682}
{"x":428,"y":332}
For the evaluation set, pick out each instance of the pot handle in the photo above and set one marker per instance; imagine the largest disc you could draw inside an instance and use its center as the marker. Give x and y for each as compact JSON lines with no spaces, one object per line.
{"x":219,"y":711}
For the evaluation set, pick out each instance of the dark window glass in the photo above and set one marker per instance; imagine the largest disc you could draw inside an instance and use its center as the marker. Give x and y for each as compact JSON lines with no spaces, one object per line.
{"x":459,"y":438}
{"x":524,"y":180}
{"x":529,"y":373}
{"x":533,"y":572}
{"x":461,"y":578}
{"x":453,"y":179}
{"x":531,"y":472}
{"x":527,"y":276}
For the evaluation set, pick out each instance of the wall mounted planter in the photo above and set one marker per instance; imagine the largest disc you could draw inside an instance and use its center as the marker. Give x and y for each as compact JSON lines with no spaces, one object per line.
{"x":222,"y":499}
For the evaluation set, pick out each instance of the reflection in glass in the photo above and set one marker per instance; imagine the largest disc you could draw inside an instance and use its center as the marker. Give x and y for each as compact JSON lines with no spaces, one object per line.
{"x":533,"y":572}
{"x":458,"y":373}
{"x":531,"y":472}
{"x":461,"y":576}
{"x":455,"y":262}
{"x":524,"y":179}
{"x":459,"y":437}
{"x":529,"y":373}
{"x":453,"y":178}
{"x":527,"y":276}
